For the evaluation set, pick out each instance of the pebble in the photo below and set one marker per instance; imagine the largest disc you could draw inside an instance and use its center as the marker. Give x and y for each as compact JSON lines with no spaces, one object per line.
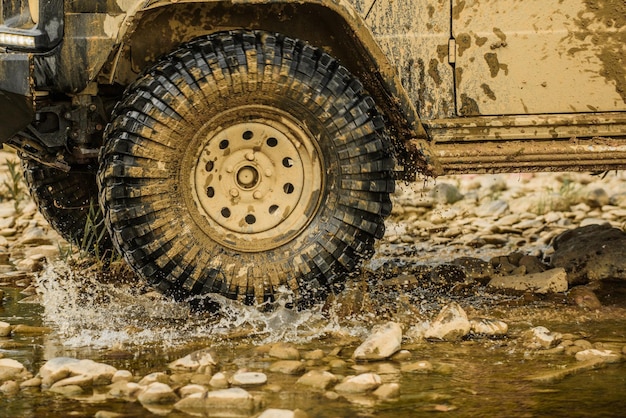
{"x":287,"y":367}
{"x":361,"y":383}
{"x":157,"y":393}
{"x":423,"y":366}
{"x":606,"y":356}
{"x":488,"y":327}
{"x":248,"y":379}
{"x":284,"y":351}
{"x":540,"y":338}
{"x":223,"y":402}
{"x":384,"y":342}
{"x":450,"y":324}
{"x":283,"y":413}
{"x":318,"y":379}
{"x":194,"y":361}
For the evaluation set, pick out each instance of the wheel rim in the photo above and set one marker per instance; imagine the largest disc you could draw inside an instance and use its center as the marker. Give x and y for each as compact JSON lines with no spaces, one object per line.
{"x":256,"y":184}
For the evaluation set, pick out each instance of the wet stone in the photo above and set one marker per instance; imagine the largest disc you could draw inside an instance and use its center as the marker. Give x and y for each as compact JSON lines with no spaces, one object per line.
{"x":550,"y":281}
{"x":606,"y":356}
{"x":12,"y":370}
{"x":219,"y":381}
{"x":450,"y":324}
{"x":361,"y":383}
{"x":583,"y":297}
{"x":422,"y":366}
{"x":540,"y":338}
{"x":593,"y":252}
{"x":387,"y":391}
{"x":287,"y":367}
{"x":229,"y":402}
{"x":318,"y":379}
{"x":193,"y":361}
{"x":284,"y":351}
{"x":283,"y":413}
{"x":248,"y":379}
{"x":157,"y":393}
{"x":488,"y":327}
{"x":5,"y":329}
{"x":384,"y":341}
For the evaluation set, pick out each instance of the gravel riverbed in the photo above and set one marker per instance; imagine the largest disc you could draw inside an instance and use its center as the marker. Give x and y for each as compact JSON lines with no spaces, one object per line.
{"x":475,"y":273}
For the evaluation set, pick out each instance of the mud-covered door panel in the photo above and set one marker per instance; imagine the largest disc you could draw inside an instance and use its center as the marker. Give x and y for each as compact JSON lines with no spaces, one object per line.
{"x":537,"y":56}
{"x":414,"y":34}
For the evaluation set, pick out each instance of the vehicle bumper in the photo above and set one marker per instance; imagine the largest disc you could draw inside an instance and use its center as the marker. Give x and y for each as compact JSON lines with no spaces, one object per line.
{"x":16,"y":96}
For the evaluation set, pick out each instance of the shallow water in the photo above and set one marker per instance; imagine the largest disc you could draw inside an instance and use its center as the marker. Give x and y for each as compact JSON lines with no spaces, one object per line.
{"x":119,"y":325}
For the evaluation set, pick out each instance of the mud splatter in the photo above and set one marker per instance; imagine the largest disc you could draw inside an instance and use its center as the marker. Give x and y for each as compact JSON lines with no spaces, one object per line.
{"x":488,"y":92}
{"x":469,"y":107}
{"x":494,"y":64}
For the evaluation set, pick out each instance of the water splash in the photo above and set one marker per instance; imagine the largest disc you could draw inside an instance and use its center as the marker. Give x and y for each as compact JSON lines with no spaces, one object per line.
{"x":84,"y":311}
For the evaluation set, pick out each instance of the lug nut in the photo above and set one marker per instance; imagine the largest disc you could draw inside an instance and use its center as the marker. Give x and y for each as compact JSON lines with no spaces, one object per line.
{"x":250,"y":156}
{"x":268,"y":173}
{"x":234,"y":192}
{"x":257,"y":195}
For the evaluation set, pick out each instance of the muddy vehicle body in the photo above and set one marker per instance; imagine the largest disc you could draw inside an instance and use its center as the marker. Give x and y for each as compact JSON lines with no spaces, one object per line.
{"x":243,"y":147}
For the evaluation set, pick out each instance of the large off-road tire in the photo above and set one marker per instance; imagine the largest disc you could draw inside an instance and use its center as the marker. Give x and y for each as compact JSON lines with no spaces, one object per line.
{"x":243,"y":162}
{"x":69,"y":202}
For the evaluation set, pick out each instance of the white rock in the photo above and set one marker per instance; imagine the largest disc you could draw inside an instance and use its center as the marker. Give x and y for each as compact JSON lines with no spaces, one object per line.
{"x":61,"y":367}
{"x":157,"y":393}
{"x":488,"y":327}
{"x":359,"y":384}
{"x":549,"y":281}
{"x":193,"y":361}
{"x":450,"y":324}
{"x":540,"y":338}
{"x":281,"y":413}
{"x":122,"y":375}
{"x":189,"y":390}
{"x":606,"y":356}
{"x":384,"y":341}
{"x":248,"y":379}
{"x":11,"y":369}
{"x":219,"y":381}
{"x":223,"y":402}
{"x":318,"y":379}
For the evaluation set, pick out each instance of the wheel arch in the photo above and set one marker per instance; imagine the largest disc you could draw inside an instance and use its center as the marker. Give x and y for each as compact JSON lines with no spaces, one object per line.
{"x":333,"y":26}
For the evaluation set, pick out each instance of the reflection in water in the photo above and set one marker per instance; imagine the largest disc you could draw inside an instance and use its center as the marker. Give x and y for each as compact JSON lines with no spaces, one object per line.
{"x":130,"y":328}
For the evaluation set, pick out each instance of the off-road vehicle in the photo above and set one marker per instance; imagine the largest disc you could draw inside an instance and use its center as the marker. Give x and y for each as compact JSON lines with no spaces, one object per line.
{"x":238,"y":147}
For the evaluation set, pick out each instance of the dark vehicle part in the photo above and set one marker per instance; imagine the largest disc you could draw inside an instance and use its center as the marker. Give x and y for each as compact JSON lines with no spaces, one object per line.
{"x":69,"y":201}
{"x":242,"y":162}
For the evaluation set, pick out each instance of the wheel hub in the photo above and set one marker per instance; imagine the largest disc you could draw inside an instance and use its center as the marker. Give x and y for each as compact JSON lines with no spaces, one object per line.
{"x":257,"y":184}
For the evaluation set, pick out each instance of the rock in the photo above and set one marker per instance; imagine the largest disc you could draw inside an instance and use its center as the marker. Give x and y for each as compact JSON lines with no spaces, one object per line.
{"x":450,"y":324}
{"x":475,"y":268}
{"x":62,"y":367}
{"x":533,"y":264}
{"x":34,"y":236}
{"x":606,"y":356}
{"x":583,"y":297}
{"x":318,"y":379}
{"x":384,"y":341}
{"x":108,"y":414}
{"x":488,"y":327}
{"x":593,"y":252}
{"x":540,"y":338}
{"x":284,"y":351}
{"x":22,"y":329}
{"x":314,"y":355}
{"x":34,"y":382}
{"x":5,"y":329}
{"x":445,"y":193}
{"x":125,"y":390}
{"x":423,"y":366}
{"x":224,"y":402}
{"x":387,"y":391}
{"x":12,"y":370}
{"x":10,"y":388}
{"x":154,"y":377}
{"x":287,"y":367}
{"x":194,"y":361}
{"x":122,"y":376}
{"x":361,"y":383}
{"x":82,"y":381}
{"x":219,"y":381}
{"x":189,"y":390}
{"x":282,"y":413}
{"x":494,"y":208}
{"x":597,"y":198}
{"x":550,"y":281}
{"x":248,"y":379}
{"x":157,"y":393}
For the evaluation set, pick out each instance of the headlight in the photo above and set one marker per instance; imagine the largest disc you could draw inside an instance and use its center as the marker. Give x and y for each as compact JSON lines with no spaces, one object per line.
{"x":31,"y":25}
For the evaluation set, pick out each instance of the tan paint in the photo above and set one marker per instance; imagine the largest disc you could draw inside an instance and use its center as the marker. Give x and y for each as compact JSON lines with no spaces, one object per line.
{"x":555,"y":69}
{"x":542,"y":57}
